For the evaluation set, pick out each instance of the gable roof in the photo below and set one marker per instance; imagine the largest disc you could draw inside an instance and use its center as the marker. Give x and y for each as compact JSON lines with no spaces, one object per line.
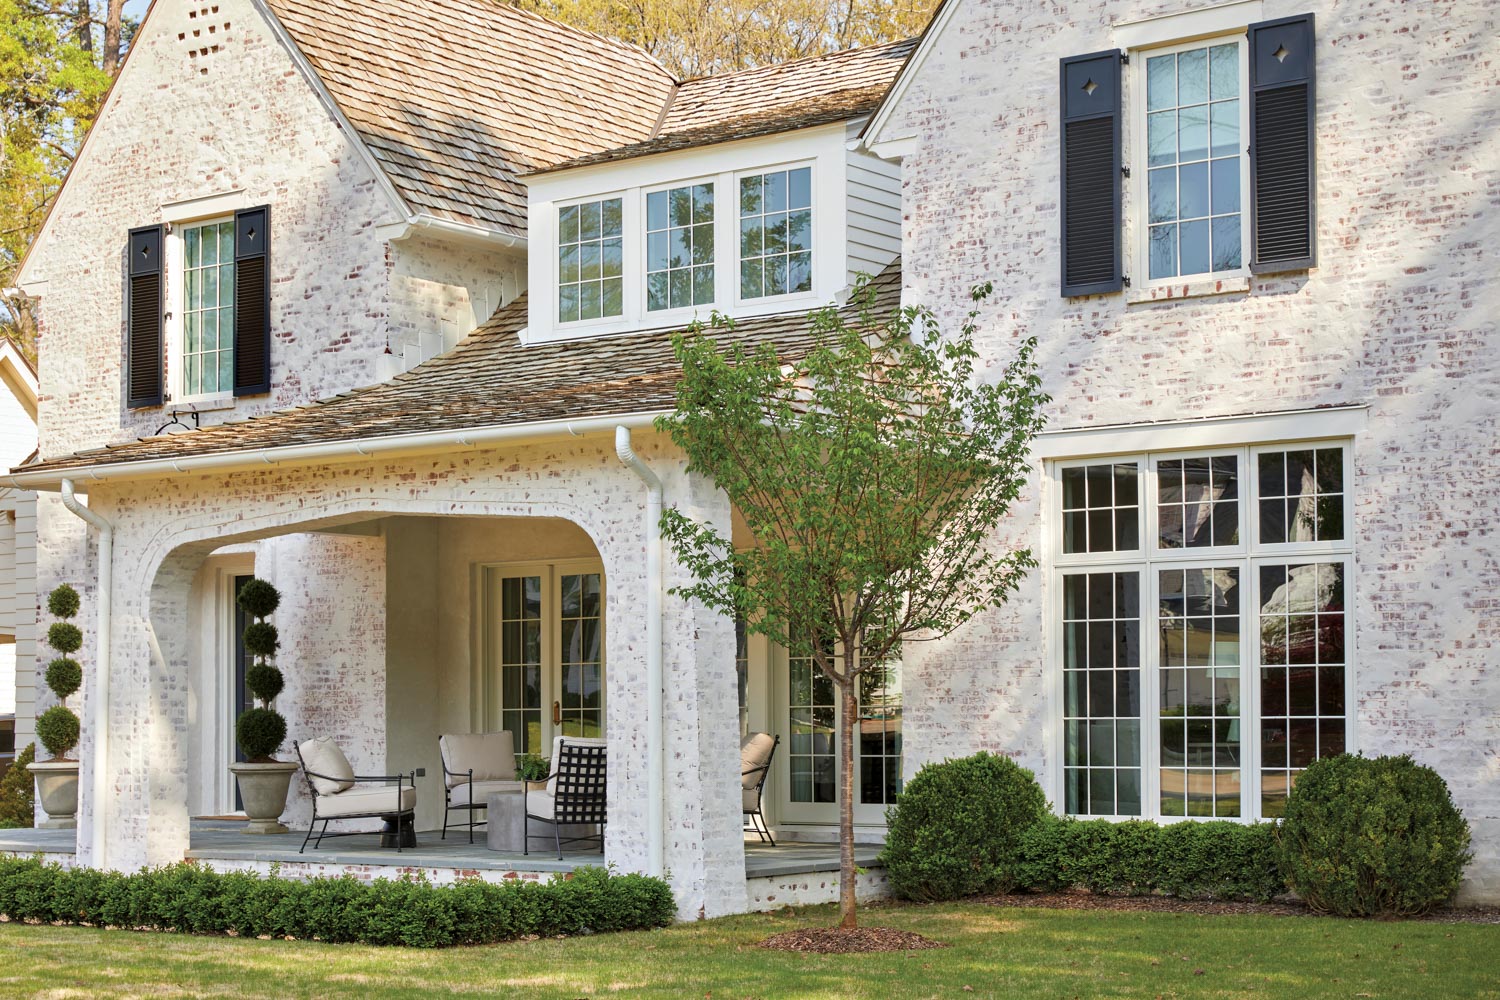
{"x":765,"y":101}
{"x":916,"y":57}
{"x":489,"y":380}
{"x":454,"y":98}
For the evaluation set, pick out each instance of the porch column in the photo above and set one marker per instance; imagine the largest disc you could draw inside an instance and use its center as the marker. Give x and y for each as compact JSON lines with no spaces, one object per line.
{"x":705,"y":848}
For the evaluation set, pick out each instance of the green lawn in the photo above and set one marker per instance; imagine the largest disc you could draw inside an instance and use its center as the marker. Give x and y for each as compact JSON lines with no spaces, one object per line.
{"x":995,"y":952}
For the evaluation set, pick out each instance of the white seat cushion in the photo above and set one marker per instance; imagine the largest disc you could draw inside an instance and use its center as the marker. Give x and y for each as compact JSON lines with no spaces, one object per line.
{"x":557,"y":742}
{"x":368,"y":800}
{"x":491,"y":756}
{"x":755,"y":753}
{"x":479,"y":792}
{"x":321,"y":755}
{"x":541,"y":803}
{"x":749,"y":799}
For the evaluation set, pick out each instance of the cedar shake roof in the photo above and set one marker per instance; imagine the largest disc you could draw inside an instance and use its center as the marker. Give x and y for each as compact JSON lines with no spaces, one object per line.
{"x":489,"y":380}
{"x":454,"y":98}
{"x":766,"y":101}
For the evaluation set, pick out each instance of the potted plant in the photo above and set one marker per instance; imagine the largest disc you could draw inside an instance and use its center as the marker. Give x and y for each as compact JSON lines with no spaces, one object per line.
{"x":57,"y":728}
{"x":532,"y":767}
{"x":260,"y":729}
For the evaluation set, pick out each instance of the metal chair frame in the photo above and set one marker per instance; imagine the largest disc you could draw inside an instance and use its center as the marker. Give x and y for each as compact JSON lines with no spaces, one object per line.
{"x":757,"y":816}
{"x":581,"y":798}
{"x":449,"y":807}
{"x":401,"y":780}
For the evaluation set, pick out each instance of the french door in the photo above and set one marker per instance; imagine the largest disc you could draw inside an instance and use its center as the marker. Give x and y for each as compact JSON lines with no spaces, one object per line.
{"x":808,"y":764}
{"x":542,"y":636}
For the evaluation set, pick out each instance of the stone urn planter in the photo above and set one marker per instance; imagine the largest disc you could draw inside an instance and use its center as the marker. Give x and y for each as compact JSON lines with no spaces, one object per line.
{"x":263,"y":789}
{"x":57,"y":791}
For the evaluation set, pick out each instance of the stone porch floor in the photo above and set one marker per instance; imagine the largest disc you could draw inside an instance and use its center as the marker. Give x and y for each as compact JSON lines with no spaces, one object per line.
{"x":214,"y":840}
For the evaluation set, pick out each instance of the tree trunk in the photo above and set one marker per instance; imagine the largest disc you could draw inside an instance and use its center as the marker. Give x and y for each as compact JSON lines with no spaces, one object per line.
{"x":114,"y":14}
{"x":848,"y":919}
{"x":83,"y":25}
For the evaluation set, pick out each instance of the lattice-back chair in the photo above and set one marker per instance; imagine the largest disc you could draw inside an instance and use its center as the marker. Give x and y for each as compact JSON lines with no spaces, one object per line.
{"x":575,"y":792}
{"x":756,"y":753}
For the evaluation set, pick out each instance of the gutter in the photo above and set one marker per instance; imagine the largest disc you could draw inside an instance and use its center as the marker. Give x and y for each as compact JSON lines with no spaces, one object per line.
{"x":99,"y":713}
{"x":655,"y":749}
{"x":304,"y":454}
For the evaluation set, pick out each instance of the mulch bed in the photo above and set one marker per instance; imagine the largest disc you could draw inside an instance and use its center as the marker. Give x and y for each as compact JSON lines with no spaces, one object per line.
{"x":1167,"y":904}
{"x":832,"y":941}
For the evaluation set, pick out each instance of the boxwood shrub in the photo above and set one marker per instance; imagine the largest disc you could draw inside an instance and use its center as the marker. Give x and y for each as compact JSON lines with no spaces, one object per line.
{"x":412,"y":912}
{"x":1372,"y":837}
{"x":1195,"y":860}
{"x":956,"y":828}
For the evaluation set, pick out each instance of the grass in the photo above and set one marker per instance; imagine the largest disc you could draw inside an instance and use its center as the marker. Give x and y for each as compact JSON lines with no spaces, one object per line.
{"x":994,"y":953}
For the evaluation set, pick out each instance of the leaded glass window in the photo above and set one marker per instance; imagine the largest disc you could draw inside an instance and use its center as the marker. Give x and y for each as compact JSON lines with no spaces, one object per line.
{"x":590,"y":261}
{"x":208,"y":308}
{"x":776,"y":233}
{"x":680,"y":247}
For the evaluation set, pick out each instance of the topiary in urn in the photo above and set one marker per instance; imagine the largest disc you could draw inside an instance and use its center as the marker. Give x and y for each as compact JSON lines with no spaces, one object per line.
{"x":58,"y":728}
{"x":261,"y":729}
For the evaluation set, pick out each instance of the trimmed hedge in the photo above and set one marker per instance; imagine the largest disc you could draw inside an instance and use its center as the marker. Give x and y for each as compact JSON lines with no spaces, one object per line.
{"x":1195,"y":860}
{"x":411,"y":912}
{"x":1368,"y":837}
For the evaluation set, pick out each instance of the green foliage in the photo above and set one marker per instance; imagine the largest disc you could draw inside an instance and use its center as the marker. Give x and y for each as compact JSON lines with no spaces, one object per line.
{"x":58,"y":730}
{"x":531,"y":767}
{"x":262,"y":639}
{"x":1195,"y":860}
{"x":409,"y":912}
{"x":956,"y":828}
{"x":64,"y":676}
{"x":1372,"y":837}
{"x":18,"y":792}
{"x":65,"y":637}
{"x":62,"y":602}
{"x":259,"y":733}
{"x":264,"y":681}
{"x":258,"y":598}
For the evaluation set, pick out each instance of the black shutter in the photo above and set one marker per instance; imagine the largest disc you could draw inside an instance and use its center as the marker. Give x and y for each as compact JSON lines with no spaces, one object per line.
{"x":1091,"y":261}
{"x":252,"y":301}
{"x":143,"y":318}
{"x":1283,"y":182}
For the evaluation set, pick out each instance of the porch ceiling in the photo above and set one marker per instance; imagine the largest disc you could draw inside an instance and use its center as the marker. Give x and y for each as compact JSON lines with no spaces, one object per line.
{"x":490,"y":380}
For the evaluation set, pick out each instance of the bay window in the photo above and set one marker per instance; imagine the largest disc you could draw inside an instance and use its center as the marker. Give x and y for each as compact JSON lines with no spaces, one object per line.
{"x":1201,"y":628}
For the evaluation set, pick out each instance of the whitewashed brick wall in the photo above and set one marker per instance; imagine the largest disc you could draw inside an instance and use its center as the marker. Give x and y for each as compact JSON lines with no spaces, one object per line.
{"x":1400,"y":315}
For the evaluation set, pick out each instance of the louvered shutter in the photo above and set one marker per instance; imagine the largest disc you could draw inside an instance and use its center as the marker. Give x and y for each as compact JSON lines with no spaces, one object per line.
{"x":1091,"y":261}
{"x":252,"y":301}
{"x":143,"y":318}
{"x":1283,"y":181}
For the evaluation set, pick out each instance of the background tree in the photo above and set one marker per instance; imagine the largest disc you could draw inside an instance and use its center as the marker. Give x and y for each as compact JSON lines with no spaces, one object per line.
{"x":695,"y":38}
{"x":873,"y":475}
{"x":53,"y":78}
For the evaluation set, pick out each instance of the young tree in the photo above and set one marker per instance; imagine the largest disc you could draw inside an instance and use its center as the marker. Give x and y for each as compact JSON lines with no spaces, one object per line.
{"x":873,"y":473}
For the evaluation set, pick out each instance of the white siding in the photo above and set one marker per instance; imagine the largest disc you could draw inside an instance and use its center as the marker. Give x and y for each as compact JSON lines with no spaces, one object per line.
{"x":874,"y":214}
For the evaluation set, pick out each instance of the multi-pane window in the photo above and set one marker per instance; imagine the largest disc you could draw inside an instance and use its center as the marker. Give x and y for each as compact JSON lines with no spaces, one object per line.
{"x":1194,"y":159}
{"x":878,"y":739}
{"x":208,"y":308}
{"x":1102,"y":693}
{"x":1242,"y":681}
{"x":680,"y":247}
{"x":521,"y":660}
{"x":590,"y":261}
{"x":813,"y":754}
{"x":581,"y":705}
{"x":776,"y":233}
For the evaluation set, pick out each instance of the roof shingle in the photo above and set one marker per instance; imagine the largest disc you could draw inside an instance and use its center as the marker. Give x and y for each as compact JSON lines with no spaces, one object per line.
{"x":489,"y":380}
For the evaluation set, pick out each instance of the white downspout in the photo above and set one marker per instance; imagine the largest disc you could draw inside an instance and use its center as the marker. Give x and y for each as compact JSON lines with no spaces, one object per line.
{"x":99,"y":716}
{"x":655,"y":768}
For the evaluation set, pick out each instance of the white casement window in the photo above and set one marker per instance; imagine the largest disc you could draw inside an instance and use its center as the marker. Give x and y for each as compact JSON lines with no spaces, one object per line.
{"x":1200,"y":632}
{"x":680,"y":247}
{"x":590,"y":261}
{"x":207,"y":325}
{"x":776,"y":242}
{"x":1189,"y":165}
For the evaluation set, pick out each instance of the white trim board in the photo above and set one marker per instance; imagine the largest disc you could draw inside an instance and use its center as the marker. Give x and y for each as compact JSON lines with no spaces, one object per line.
{"x":1204,"y":432}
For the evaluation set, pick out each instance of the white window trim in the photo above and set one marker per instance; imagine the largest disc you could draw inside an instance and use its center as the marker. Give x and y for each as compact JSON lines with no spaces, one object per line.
{"x":555,"y":266}
{"x":1148,"y":559}
{"x":1136,"y":150}
{"x":789,"y":299}
{"x":683,"y":315}
{"x":176,"y":299}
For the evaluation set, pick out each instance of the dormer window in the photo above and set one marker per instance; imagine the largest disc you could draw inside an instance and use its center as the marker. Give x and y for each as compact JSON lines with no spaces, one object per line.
{"x":680,"y":247}
{"x":590,"y":261}
{"x":776,"y":233}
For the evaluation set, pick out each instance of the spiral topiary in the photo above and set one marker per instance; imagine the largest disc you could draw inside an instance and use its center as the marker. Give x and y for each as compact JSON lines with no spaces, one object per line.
{"x":58,"y":728}
{"x":260,"y":730}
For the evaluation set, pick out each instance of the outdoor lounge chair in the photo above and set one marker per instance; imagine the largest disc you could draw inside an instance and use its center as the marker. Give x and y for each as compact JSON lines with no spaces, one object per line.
{"x":574,"y":793}
{"x":756,"y":752}
{"x":474,"y":765}
{"x":337,"y":793}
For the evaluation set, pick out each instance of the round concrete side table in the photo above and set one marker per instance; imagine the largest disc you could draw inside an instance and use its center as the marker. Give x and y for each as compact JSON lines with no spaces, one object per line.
{"x":506,"y":819}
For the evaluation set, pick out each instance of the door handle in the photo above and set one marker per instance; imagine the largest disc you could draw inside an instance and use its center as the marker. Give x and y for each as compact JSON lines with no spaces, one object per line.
{"x":557,"y":713}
